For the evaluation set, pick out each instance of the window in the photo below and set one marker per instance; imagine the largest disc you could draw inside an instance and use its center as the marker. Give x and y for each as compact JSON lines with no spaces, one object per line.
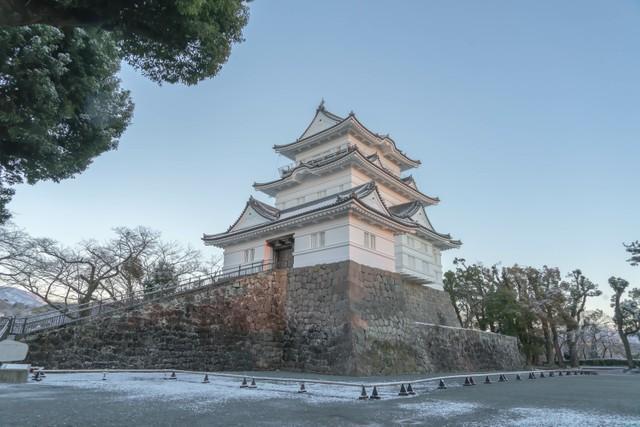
{"x":411,"y":241}
{"x":425,"y":267}
{"x":316,"y":240}
{"x":369,"y":240}
{"x":249,"y":255}
{"x":412,"y":262}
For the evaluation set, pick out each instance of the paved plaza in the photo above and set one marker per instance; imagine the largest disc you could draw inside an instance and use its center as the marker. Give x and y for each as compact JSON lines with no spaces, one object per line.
{"x":147,"y":399}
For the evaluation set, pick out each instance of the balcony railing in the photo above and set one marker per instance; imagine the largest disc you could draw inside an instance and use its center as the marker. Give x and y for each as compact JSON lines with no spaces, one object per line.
{"x":341,"y":149}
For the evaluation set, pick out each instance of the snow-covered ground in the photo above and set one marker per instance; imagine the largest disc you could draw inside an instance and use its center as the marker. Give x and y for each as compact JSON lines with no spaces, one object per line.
{"x":19,"y":296}
{"x":150,"y":399}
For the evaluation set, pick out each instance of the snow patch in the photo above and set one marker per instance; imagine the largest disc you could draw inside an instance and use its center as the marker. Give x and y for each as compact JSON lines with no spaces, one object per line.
{"x":439,"y":408}
{"x":18,"y":296}
{"x":554,"y":417}
{"x":190,"y":390}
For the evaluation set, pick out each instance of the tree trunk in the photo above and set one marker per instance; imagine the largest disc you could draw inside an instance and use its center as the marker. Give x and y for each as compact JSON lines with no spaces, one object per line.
{"x":548,"y":350}
{"x":619,"y":325}
{"x":571,"y":343}
{"x":627,"y":348}
{"x":456,"y":309}
{"x":556,"y":345}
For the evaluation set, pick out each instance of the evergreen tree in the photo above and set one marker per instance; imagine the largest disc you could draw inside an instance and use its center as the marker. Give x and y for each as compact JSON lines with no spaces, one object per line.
{"x":61,"y":104}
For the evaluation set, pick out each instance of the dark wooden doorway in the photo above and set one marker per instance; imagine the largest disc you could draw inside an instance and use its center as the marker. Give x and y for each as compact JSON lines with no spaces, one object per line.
{"x":282,"y":251}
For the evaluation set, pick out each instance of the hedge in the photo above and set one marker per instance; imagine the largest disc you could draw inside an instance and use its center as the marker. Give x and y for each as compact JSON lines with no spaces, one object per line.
{"x":608,"y":362}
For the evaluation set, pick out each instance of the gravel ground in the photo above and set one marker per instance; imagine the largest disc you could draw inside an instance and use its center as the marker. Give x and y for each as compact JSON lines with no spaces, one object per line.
{"x":84,"y":399}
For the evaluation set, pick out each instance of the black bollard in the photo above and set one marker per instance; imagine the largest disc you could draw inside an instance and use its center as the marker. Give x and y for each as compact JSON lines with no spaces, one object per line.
{"x":173,"y":376}
{"x":531,"y":377}
{"x":253,"y":383}
{"x":302,"y":388}
{"x":441,"y":385}
{"x":244,"y":383}
{"x":541,"y":374}
{"x":410,"y":390}
{"x":206,"y":379}
{"x":575,"y":372}
{"x":104,"y":376}
{"x":467,"y":382}
{"x":487,"y":380}
{"x":559,"y":373}
{"x":36,"y":376}
{"x":374,"y":394}
{"x":403,"y":392}
{"x":502,"y":378}
{"x":363,"y":394}
{"x":472,"y":381}
{"x":551,"y":374}
{"x":518,"y":377}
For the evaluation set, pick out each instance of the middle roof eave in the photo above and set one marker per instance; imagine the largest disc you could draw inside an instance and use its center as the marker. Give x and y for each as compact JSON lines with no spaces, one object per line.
{"x":272,"y":187}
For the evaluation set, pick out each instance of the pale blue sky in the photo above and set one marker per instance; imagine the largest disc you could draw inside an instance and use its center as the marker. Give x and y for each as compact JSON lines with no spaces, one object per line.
{"x":526,"y":116}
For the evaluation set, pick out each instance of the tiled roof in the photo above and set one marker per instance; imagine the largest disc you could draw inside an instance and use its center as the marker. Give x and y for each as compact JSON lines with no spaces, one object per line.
{"x":338,"y":156}
{"x":397,"y":213}
{"x":353,"y":120}
{"x":405,"y":210}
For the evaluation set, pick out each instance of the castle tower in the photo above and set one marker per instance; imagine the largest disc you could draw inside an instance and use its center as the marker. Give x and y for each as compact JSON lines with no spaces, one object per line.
{"x":344,"y":197}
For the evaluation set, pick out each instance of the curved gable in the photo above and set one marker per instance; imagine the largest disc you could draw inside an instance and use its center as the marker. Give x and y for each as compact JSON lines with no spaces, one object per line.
{"x":321,"y":121}
{"x":374,"y":200}
{"x":254,"y":213}
{"x":249,"y":218}
{"x":421,"y":218}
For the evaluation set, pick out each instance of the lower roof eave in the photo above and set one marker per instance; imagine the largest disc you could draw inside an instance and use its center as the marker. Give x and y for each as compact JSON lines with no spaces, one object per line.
{"x":347,"y":206}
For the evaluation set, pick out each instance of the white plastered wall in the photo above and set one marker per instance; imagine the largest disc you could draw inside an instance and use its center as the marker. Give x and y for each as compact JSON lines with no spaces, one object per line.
{"x":311,"y":186}
{"x":336,"y":243}
{"x":323,"y":149}
{"x":234,"y":254}
{"x":390,"y":197}
{"x":342,"y":142}
{"x":383,"y":256}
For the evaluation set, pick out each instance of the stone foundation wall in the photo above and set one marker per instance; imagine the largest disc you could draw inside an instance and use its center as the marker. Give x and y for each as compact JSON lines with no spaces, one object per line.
{"x":318,"y":332}
{"x":341,"y":318}
{"x":239,"y":326}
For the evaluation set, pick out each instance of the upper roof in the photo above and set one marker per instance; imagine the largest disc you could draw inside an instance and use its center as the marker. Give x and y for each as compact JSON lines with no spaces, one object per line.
{"x":325,"y":125}
{"x":321,"y":121}
{"x":368,"y":200}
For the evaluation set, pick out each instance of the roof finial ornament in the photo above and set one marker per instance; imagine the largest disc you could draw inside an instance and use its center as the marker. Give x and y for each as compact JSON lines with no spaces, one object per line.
{"x":351,"y":113}
{"x":321,"y":106}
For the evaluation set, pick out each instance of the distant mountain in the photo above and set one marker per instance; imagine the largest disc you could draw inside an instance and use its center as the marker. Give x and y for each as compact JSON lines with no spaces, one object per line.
{"x":13,"y":296}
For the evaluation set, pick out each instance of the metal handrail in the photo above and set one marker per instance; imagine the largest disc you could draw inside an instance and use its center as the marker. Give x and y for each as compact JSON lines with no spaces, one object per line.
{"x":56,"y":318}
{"x":5,"y":324}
